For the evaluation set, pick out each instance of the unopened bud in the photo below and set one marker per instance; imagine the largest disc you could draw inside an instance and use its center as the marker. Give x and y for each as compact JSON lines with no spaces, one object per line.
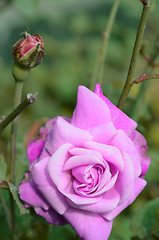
{"x":29,"y":51}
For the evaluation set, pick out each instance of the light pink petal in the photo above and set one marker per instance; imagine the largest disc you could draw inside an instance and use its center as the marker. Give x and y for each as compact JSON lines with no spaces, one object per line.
{"x":63,"y":133}
{"x":141,"y":144}
{"x":87,"y":159}
{"x":78,"y":199}
{"x":110,"y":154}
{"x":103,"y":133}
{"x":44,"y":154}
{"x":90,"y":110}
{"x":124,"y":143}
{"x":120,"y":119}
{"x":30,"y":194}
{"x":56,"y":164}
{"x":83,"y":151}
{"x":47,"y":188}
{"x":125,"y":182}
{"x":89,"y":226}
{"x":34,"y":149}
{"x":51,"y":216}
{"x":109,"y":201}
{"x":138,"y":187}
{"x":104,"y":187}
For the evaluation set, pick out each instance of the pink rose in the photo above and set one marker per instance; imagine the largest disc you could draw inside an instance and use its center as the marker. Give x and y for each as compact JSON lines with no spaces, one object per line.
{"x":85,"y":170}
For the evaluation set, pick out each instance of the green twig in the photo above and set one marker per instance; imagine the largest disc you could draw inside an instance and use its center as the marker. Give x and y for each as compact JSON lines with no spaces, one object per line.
{"x":17,"y":99}
{"x":99,"y":65}
{"x":30,"y":98}
{"x":136,"y":50}
{"x":13,"y":140}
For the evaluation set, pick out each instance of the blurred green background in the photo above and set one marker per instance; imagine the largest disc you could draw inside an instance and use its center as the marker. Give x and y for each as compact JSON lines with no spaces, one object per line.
{"x":72,"y":31}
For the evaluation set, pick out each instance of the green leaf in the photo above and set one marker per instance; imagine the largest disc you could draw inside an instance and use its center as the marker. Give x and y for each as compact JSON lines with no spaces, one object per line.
{"x":14,"y":191}
{"x":143,"y":221}
{"x":3,"y":168}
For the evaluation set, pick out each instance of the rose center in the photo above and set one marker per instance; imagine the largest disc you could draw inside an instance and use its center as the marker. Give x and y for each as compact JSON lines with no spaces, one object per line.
{"x":87,"y":178}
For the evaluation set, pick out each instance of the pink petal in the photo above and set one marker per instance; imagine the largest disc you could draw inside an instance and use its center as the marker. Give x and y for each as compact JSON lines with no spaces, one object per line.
{"x":110,"y":154}
{"x":124,"y":143}
{"x":30,"y":194}
{"x":34,"y":149}
{"x":90,"y":110}
{"x":56,"y":164}
{"x":89,"y":226}
{"x":87,"y":159}
{"x":138,"y":187}
{"x":51,"y":216}
{"x":83,"y":151}
{"x":103,"y":133}
{"x":141,"y":144}
{"x":109,"y":201}
{"x":120,"y":119}
{"x":125,"y":182}
{"x":63,"y":133}
{"x":78,"y":199}
{"x":104,"y":187}
{"x":47,"y":188}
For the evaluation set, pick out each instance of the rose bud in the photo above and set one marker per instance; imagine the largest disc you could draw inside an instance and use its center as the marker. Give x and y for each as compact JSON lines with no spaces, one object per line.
{"x":29,"y":51}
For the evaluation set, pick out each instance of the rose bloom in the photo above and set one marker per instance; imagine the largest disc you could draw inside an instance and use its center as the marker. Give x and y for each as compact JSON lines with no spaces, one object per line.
{"x":85,"y":170}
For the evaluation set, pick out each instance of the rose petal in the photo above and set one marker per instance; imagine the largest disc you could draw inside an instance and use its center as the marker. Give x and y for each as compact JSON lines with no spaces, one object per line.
{"x":89,"y":226}
{"x":47,"y":188}
{"x":90,"y":110}
{"x":138,"y":187}
{"x":51,"y":216}
{"x":109,"y":201}
{"x":125,"y":182}
{"x":30,"y":194}
{"x":110,"y":154}
{"x":34,"y":149}
{"x":141,"y":144}
{"x":103,"y":187}
{"x":56,"y":164}
{"x":120,"y":119}
{"x":103,"y":133}
{"x":124,"y":143}
{"x":87,"y":159}
{"x":63,"y":133}
{"x":83,"y":151}
{"x":78,"y":199}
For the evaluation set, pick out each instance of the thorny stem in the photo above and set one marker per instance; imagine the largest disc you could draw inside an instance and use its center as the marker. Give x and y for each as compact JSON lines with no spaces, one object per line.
{"x":136,"y":50}
{"x":145,"y":77}
{"x":30,"y":98}
{"x":99,"y":64}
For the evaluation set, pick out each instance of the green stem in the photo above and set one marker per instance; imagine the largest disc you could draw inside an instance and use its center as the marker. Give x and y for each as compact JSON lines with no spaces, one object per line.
{"x":99,"y":65}
{"x":139,"y":36}
{"x":13,"y":139}
{"x":30,"y":98}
